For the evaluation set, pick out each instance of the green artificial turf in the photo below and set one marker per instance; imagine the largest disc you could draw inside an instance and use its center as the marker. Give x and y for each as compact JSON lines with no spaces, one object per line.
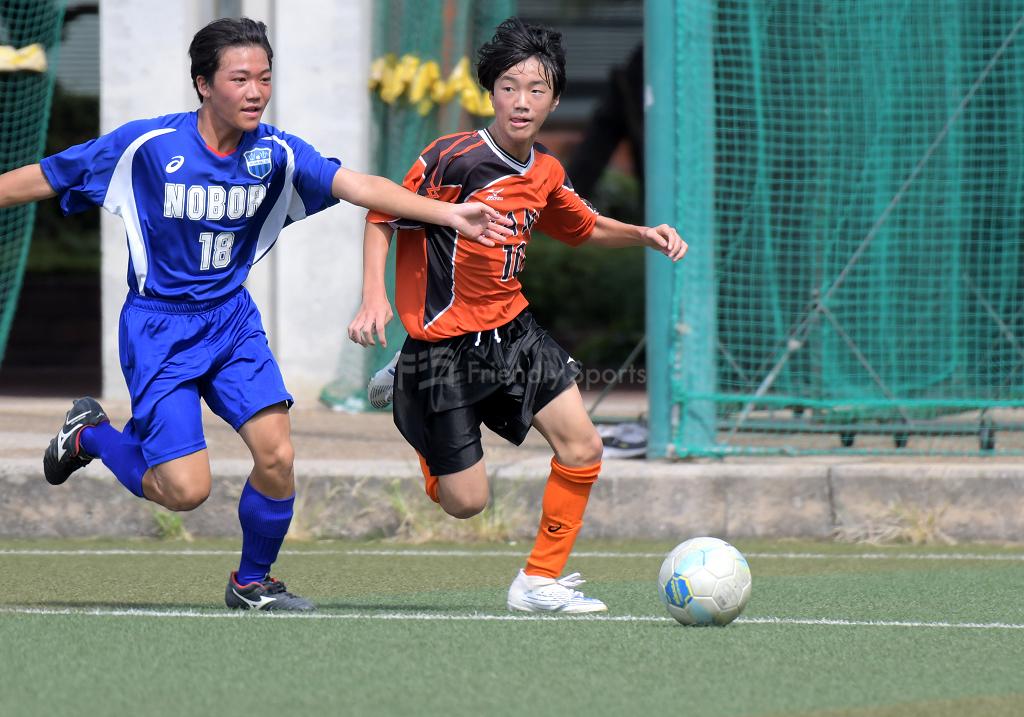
{"x":427,"y":633}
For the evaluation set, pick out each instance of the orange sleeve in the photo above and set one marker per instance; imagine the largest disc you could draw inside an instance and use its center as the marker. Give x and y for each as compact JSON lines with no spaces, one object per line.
{"x":568,"y":217}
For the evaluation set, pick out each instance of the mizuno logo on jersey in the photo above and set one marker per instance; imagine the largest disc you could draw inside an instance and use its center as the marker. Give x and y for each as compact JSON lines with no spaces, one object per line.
{"x":494,"y":195}
{"x":258,"y":162}
{"x":213,"y":202}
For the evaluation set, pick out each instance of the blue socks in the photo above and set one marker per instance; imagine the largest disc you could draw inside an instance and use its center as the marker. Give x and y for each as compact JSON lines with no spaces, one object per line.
{"x":264,"y":522}
{"x":120,"y":452}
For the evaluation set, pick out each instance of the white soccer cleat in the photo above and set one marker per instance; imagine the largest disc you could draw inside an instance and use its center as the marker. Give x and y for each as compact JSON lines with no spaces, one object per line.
{"x":624,"y":440}
{"x":530,"y":593}
{"x":381,"y":387}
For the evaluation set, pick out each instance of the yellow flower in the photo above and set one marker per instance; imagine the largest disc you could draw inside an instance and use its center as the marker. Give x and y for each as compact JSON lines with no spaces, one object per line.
{"x":424,"y":107}
{"x":31,"y":58}
{"x":428,"y":74}
{"x":379,"y":68}
{"x":395,"y":82}
{"x":422,"y":85}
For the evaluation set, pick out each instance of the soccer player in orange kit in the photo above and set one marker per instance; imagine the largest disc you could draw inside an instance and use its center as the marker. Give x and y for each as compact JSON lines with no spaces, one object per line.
{"x":474,"y":353}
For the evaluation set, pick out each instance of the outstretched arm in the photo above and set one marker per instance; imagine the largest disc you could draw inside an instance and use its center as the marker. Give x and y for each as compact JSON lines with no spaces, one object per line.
{"x":375,"y":311}
{"x":614,"y":234}
{"x":471,"y":219}
{"x":23,"y":185}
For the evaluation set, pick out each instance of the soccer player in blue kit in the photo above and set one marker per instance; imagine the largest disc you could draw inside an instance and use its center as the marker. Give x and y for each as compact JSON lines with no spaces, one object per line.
{"x":203,"y":196}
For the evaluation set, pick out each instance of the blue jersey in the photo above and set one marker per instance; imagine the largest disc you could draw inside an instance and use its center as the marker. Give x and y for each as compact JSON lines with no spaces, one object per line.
{"x":196,"y":220}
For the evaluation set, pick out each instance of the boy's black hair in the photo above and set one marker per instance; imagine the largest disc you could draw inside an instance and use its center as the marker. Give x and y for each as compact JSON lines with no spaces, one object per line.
{"x":212,"y":40}
{"x":514,"y":42}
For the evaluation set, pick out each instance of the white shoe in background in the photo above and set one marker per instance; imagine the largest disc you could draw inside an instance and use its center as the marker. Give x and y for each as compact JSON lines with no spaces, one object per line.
{"x":624,"y":440}
{"x":381,"y":387}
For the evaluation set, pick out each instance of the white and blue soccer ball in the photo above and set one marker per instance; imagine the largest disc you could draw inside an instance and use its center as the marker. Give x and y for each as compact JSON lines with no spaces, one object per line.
{"x":704,"y":581}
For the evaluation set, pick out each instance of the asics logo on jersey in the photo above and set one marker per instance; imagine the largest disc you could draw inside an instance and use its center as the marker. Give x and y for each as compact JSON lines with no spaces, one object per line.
{"x":494,"y":195}
{"x":212,"y":202}
{"x":254,"y":604}
{"x":175,"y":164}
{"x":258,"y":161}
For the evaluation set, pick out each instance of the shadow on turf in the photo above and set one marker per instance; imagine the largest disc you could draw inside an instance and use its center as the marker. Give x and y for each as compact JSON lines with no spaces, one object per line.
{"x":96,"y":605}
{"x":206,"y":607}
{"x":402,"y":607}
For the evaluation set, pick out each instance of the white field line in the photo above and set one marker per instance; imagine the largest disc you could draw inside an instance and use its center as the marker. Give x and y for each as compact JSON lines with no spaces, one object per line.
{"x":413,"y":553}
{"x":483,"y":617}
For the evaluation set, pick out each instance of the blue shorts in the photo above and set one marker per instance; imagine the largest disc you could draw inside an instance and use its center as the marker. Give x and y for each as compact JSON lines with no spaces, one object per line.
{"x":174,"y":352}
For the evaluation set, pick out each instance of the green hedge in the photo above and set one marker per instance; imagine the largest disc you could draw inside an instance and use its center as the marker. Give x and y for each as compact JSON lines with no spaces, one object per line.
{"x":591,"y":299}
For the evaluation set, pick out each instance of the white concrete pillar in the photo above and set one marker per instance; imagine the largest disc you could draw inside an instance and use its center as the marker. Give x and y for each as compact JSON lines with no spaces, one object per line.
{"x":321,"y":64}
{"x":308,"y":287}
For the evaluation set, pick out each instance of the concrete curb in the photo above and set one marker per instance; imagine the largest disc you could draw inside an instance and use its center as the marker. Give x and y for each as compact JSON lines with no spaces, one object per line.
{"x":961,"y":502}
{"x":633,"y":499}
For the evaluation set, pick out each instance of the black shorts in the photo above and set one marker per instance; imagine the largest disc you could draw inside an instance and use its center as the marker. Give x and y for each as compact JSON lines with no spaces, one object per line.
{"x":500,"y":377}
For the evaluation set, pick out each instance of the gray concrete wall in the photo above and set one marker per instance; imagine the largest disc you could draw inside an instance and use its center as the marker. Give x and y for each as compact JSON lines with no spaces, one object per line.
{"x":671,"y":501}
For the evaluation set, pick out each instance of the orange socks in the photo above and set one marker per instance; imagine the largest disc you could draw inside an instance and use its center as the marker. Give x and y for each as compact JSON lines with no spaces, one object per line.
{"x":565,"y":500}
{"x":431,"y":482}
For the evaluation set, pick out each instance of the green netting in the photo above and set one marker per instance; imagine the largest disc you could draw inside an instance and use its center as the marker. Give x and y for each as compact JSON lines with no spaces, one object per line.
{"x":29,"y":40}
{"x":865,"y":174}
{"x":409,"y":34}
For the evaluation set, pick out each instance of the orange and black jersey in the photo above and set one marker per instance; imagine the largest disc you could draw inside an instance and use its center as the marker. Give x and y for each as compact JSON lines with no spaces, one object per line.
{"x":447,"y":285}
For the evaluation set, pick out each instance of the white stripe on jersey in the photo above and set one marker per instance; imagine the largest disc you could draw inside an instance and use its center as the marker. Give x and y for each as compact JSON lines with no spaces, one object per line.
{"x":296,"y":210}
{"x":452,"y":236}
{"x":586,"y":203}
{"x":284,"y":206}
{"x":505,"y":156}
{"x":120,"y":200}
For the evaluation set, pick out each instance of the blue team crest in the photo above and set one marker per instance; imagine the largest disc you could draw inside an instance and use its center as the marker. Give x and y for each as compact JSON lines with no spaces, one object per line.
{"x":258,"y":162}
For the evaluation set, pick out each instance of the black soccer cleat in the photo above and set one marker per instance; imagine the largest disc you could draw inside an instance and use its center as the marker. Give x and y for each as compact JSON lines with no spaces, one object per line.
{"x":64,"y":455}
{"x":268,"y":594}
